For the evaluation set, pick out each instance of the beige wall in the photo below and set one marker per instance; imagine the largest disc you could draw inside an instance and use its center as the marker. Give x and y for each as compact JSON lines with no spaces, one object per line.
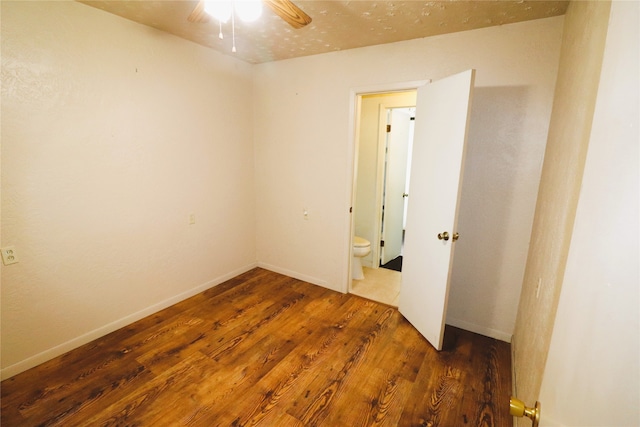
{"x":592,"y":374}
{"x":305,"y":146}
{"x":569,"y":130}
{"x":112,"y":135}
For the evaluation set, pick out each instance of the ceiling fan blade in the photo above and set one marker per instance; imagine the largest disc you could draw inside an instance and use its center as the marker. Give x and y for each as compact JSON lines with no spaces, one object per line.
{"x":198,"y":14}
{"x":288,"y":11}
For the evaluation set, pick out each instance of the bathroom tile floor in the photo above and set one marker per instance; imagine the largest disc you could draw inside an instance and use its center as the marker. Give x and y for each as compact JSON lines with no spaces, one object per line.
{"x":379,"y":284}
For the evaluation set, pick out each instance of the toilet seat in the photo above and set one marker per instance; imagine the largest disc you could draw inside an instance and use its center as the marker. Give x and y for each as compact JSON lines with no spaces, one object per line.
{"x":359,"y":242}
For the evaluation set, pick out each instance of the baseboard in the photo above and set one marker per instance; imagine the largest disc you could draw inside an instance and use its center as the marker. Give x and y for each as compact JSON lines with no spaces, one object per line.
{"x":58,"y":350}
{"x":487,"y":332}
{"x":295,"y":275}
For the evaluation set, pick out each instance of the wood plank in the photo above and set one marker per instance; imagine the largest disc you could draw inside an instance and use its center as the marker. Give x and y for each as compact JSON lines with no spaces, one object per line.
{"x":485,"y":394}
{"x":60,"y":403}
{"x":403,"y":351}
{"x":381,"y":397}
{"x":456,"y":379}
{"x":433,"y":393}
{"x":341,"y":370}
{"x":162,"y":401}
{"x":289,"y":378}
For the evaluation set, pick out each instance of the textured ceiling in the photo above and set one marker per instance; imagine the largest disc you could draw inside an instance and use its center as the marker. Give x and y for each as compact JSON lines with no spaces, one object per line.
{"x":337,"y":25}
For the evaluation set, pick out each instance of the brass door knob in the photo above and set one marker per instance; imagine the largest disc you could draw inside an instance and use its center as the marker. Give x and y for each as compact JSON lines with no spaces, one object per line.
{"x":443,"y":236}
{"x":455,"y":237}
{"x":517,"y":408}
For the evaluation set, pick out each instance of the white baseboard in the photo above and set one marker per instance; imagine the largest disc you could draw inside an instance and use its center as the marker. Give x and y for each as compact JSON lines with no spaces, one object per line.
{"x":295,"y":275}
{"x":60,"y":349}
{"x":487,"y":332}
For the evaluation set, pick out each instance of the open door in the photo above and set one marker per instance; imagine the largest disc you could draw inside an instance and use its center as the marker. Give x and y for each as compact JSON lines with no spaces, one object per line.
{"x":442,"y":120}
{"x":395,"y":179}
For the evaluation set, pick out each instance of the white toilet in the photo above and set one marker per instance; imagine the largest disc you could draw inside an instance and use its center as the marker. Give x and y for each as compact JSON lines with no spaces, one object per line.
{"x":361,"y":248}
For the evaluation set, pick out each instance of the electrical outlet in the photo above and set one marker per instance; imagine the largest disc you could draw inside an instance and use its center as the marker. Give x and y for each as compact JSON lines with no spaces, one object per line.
{"x":9,"y":255}
{"x":192,"y":219}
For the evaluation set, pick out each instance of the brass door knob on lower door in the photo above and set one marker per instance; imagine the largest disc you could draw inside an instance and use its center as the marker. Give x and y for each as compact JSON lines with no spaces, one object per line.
{"x":443,"y":236}
{"x":517,"y":408}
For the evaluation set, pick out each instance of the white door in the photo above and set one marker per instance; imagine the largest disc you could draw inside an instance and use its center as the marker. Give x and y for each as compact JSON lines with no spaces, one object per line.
{"x":397,"y":149}
{"x":442,"y":119}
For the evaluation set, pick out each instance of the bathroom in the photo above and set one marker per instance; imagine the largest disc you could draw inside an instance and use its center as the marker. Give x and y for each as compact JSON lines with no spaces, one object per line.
{"x":385,"y":135}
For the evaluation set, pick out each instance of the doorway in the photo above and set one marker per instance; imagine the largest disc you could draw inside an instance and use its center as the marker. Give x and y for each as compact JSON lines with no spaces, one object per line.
{"x":380,"y":188}
{"x":439,"y":148}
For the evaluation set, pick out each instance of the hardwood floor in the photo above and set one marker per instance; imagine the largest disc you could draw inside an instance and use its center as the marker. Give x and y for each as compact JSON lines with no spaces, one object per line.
{"x":267,"y":349}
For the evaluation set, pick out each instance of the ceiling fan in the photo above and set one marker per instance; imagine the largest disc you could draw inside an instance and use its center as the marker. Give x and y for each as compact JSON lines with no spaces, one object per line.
{"x":285,"y":9}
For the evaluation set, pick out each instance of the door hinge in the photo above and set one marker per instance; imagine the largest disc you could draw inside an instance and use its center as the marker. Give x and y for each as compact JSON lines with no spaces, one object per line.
{"x":388,"y":128}
{"x":351,"y":209}
{"x":382,"y":243}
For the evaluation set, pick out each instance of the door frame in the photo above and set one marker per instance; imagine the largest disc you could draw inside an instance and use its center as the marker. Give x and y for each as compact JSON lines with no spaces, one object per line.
{"x":355,"y":96}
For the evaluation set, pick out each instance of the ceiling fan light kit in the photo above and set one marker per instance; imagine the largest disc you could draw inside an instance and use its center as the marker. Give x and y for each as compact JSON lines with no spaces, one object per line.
{"x":222,"y":10}
{"x":247,"y":11}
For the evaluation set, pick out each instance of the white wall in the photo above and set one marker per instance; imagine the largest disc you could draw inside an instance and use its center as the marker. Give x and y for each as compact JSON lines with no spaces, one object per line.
{"x":112,"y":135}
{"x":304,"y":157}
{"x":592,"y":373}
